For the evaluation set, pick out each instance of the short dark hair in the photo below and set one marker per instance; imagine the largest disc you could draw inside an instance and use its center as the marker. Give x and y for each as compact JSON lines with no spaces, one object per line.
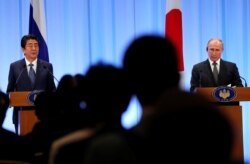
{"x":25,"y":38}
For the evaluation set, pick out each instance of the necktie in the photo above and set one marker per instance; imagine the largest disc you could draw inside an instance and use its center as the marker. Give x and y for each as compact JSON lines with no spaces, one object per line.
{"x":32,"y":74}
{"x":215,"y":72}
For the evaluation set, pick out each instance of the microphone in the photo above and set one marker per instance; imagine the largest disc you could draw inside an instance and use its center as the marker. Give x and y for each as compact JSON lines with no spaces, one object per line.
{"x":244,"y":81}
{"x":50,"y":73}
{"x":19,"y":76}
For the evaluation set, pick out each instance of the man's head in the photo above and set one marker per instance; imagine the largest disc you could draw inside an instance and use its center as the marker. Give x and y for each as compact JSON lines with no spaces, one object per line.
{"x":30,"y":46}
{"x":108,"y":94}
{"x":215,"y":48}
{"x":150,"y":63}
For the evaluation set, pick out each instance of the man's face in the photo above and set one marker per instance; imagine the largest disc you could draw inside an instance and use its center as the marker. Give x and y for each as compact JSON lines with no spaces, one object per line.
{"x":215,"y":49}
{"x":31,"y":49}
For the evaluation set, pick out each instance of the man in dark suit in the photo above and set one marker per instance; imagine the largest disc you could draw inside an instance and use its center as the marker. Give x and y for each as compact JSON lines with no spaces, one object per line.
{"x":227,"y":72}
{"x":19,"y":79}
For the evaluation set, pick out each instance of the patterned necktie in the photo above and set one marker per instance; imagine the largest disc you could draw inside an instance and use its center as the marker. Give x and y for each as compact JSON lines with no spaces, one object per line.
{"x":32,"y":74}
{"x":215,"y":72}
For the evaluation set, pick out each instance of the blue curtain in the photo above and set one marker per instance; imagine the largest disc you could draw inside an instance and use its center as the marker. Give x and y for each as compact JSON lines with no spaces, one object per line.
{"x":84,"y":32}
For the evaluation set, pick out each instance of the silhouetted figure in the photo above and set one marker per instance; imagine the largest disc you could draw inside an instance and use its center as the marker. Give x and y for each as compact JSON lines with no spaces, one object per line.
{"x":171,"y":117}
{"x":107,"y":98}
{"x":150,"y":65}
{"x":189,"y":130}
{"x":11,"y":147}
{"x":59,"y":113}
{"x":108,"y":94}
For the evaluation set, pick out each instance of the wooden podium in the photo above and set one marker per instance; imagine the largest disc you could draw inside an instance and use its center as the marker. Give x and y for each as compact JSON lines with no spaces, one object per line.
{"x":233,"y":111}
{"x":27,"y":117}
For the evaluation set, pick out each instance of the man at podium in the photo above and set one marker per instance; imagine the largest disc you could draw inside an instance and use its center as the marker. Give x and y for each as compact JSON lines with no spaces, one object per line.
{"x":29,"y":73}
{"x":215,"y":71}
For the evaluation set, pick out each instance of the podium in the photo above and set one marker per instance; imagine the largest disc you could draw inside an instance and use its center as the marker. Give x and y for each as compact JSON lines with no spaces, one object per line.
{"x":232,"y":109}
{"x":27,"y":117}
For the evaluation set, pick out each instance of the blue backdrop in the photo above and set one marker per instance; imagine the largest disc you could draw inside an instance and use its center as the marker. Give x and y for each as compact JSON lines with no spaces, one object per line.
{"x":83,"y":32}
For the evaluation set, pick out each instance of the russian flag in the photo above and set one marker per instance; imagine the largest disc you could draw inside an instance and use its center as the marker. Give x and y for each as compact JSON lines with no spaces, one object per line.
{"x":173,"y":30}
{"x":37,"y":27}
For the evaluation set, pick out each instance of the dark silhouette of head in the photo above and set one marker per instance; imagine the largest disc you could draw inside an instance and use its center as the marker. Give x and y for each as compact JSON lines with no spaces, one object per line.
{"x":46,"y":105}
{"x":64,"y":101}
{"x":108,"y":95}
{"x":71,"y":92}
{"x":150,"y":62}
{"x":67,"y":84}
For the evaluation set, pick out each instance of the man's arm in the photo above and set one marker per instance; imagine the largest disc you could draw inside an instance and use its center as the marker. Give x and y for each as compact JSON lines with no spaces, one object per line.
{"x":237,"y":80}
{"x":195,"y":79}
{"x":11,"y":80}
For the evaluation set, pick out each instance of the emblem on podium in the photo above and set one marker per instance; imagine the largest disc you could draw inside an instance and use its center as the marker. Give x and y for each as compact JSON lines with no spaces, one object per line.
{"x":224,"y":94}
{"x":32,"y":96}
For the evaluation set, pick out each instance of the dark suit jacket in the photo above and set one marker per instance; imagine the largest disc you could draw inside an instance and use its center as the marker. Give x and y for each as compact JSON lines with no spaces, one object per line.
{"x":202,"y":75}
{"x":19,"y":79}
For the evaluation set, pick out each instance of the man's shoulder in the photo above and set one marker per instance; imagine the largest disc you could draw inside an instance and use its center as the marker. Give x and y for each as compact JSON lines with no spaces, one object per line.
{"x":201,"y":63}
{"x":17,"y":62}
{"x":41,"y":61}
{"x":227,"y":63}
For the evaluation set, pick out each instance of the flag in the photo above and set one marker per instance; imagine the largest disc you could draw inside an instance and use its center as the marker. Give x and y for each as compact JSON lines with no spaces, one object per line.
{"x":37,"y":27}
{"x":173,"y":29}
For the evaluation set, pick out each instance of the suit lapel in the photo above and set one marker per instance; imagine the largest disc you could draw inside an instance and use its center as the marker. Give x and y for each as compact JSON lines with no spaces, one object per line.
{"x":38,"y":71}
{"x":222,"y":72}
